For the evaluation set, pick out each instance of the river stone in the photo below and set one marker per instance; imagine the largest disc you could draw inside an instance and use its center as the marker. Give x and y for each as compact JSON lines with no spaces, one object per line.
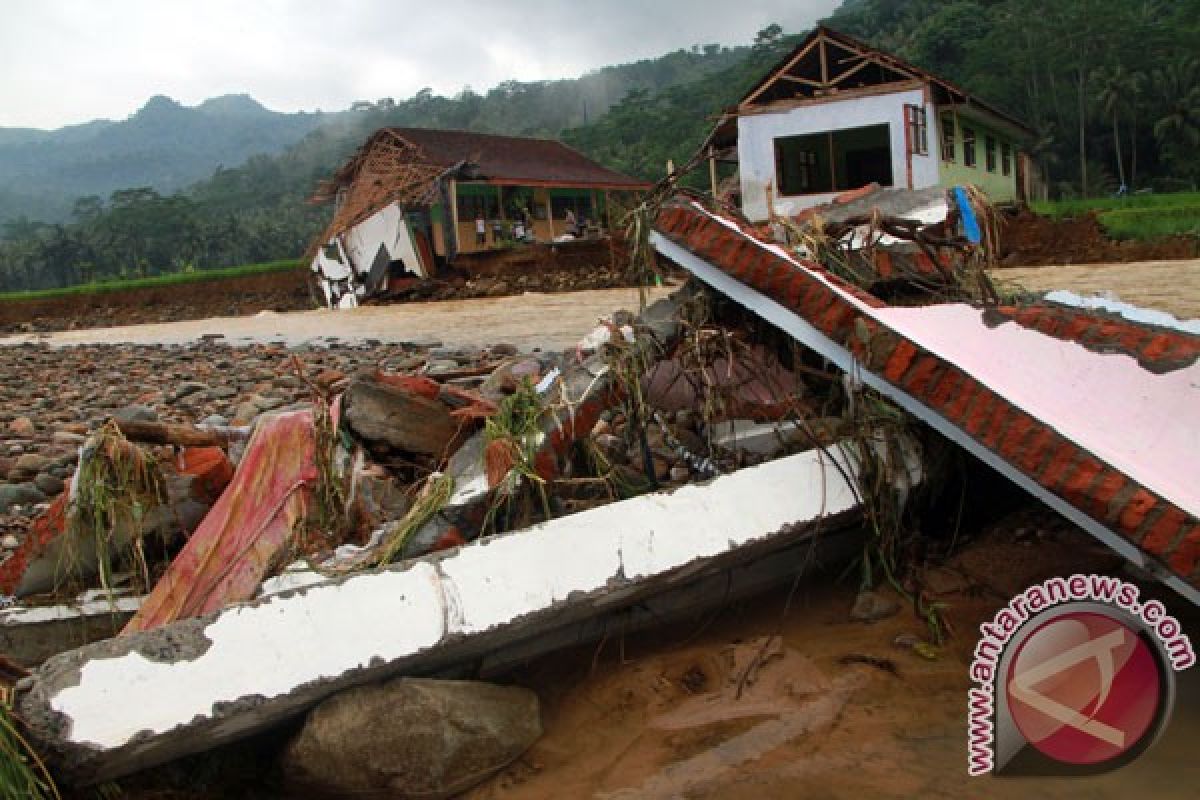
{"x":19,"y":494}
{"x":411,"y":737}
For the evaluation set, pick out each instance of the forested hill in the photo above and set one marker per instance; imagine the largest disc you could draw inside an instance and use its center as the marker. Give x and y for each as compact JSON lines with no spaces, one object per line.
{"x":167,"y":147}
{"x":164,"y":145}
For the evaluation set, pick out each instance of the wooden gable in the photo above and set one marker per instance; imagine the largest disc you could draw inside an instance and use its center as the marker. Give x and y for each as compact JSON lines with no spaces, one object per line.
{"x":826,"y":64}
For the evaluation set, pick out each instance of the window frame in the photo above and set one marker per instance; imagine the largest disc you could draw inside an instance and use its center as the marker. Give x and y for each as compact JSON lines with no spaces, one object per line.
{"x":916,"y":122}
{"x":949,"y":145}
{"x":969,"y":155}
{"x":1006,"y":158}
{"x":989,"y":152}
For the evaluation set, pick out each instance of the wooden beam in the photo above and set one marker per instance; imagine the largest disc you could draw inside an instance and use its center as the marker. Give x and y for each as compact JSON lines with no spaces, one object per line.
{"x":824,"y":62}
{"x":793,"y":61}
{"x":712,"y":170}
{"x":866,"y":62}
{"x":805,"y":81}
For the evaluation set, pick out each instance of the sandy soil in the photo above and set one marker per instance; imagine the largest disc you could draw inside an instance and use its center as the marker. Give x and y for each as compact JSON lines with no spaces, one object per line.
{"x":1171,"y":286}
{"x":658,"y":715}
{"x":549,"y":321}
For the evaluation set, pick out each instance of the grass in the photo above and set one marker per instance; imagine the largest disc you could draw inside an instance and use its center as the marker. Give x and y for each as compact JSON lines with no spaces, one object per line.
{"x":1149,"y":216}
{"x":173,"y":279}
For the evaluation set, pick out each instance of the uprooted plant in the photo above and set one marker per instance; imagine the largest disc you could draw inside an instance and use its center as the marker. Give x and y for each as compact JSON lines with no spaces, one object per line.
{"x":116,"y":487}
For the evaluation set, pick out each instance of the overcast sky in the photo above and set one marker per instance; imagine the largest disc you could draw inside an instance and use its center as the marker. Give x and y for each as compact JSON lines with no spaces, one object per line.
{"x":69,"y":61}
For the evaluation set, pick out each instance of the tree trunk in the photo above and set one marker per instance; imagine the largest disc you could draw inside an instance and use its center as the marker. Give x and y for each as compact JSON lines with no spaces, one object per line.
{"x":1117,"y":147}
{"x":1083,"y":177}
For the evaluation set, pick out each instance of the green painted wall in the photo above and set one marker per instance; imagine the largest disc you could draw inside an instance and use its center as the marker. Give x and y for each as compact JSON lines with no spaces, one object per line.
{"x":999,"y":187}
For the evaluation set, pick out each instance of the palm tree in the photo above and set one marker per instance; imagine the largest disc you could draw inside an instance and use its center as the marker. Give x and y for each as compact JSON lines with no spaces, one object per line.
{"x":1116,"y":89}
{"x":1178,"y":129}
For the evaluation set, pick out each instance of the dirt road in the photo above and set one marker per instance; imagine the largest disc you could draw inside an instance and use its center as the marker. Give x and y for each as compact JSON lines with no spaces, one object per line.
{"x":549,"y":321}
{"x":1171,"y":286}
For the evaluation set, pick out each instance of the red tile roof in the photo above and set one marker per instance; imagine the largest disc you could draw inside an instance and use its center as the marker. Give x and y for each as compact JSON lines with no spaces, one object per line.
{"x":509,"y":159}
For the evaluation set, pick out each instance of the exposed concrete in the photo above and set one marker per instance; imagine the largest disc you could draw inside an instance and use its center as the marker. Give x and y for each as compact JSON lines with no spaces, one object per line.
{"x":117,"y":706}
{"x":30,"y":635}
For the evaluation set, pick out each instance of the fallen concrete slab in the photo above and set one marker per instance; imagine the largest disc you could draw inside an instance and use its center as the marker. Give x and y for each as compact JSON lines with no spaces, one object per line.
{"x":121,"y":705}
{"x":30,"y":635}
{"x":1099,"y":419}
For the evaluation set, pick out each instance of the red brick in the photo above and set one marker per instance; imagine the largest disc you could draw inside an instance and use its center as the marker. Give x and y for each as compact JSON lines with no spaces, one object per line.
{"x":836,"y":318}
{"x":781,"y":273}
{"x":1003,"y":415}
{"x":1053,"y":473}
{"x":1187,"y":552}
{"x":958,"y":404}
{"x":977,"y":416}
{"x":1162,"y":533}
{"x":1108,"y":485}
{"x":1157,"y":347}
{"x":945,"y":392}
{"x":1034,"y":452}
{"x":1012,"y":445}
{"x":897,"y":364}
{"x":795,"y":286}
{"x":918,"y":378}
{"x":1075,"y":487}
{"x":1135,"y":511}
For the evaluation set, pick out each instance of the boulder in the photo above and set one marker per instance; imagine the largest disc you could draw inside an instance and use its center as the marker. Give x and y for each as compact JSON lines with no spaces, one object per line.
{"x":411,"y":737}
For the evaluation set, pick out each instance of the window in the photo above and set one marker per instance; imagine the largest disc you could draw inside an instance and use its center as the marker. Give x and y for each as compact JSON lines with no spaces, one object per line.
{"x":947,"y":138}
{"x":969,"y":147}
{"x":796,"y":165}
{"x":918,"y":130}
{"x":990,"y":152}
{"x":1006,"y":158}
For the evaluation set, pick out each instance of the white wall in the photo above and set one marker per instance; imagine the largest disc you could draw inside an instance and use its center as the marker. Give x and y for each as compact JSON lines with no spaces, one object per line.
{"x":389,"y":228}
{"x":756,"y":149}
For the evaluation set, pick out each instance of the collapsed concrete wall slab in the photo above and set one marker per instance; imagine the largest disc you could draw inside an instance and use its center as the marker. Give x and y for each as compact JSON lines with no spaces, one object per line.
{"x":121,"y":705}
{"x":1098,"y":419}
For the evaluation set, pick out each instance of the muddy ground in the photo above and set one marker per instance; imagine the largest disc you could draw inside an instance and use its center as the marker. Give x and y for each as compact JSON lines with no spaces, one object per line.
{"x":1031,"y":240}
{"x":291,"y":290}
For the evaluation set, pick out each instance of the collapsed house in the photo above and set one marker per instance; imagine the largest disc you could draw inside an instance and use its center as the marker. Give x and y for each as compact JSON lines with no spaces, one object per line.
{"x":836,"y":114}
{"x":413,"y":200}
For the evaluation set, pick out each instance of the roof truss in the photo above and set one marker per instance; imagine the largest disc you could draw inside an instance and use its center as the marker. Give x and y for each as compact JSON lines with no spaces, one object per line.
{"x":827,"y":63}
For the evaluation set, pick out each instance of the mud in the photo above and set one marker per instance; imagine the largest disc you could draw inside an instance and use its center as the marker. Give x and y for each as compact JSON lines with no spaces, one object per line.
{"x":1028,"y":239}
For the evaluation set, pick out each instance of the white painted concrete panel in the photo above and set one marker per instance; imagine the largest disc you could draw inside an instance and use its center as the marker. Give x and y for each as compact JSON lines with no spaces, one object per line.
{"x":272,"y":647}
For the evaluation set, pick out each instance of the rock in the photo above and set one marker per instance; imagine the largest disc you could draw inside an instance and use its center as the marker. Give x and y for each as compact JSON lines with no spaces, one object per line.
{"x":10,"y":542}
{"x":679,"y":474}
{"x":22,"y":426}
{"x":32,"y":463}
{"x":68,"y":437}
{"x":214,"y":421}
{"x":412,"y":737}
{"x":403,"y":418}
{"x":872,"y":606}
{"x":188,"y":388}
{"x":136,"y":413}
{"x":19,"y":494}
{"x":49,"y":484}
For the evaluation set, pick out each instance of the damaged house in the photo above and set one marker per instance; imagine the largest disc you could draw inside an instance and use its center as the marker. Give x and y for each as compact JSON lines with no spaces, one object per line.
{"x":412,"y":200}
{"x":836,"y":114}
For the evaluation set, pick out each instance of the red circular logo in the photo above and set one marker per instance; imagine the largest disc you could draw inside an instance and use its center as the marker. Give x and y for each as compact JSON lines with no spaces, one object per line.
{"x":1084,"y":688}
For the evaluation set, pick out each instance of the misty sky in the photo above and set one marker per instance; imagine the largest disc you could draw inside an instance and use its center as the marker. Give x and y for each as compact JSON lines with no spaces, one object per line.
{"x":69,"y":61}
